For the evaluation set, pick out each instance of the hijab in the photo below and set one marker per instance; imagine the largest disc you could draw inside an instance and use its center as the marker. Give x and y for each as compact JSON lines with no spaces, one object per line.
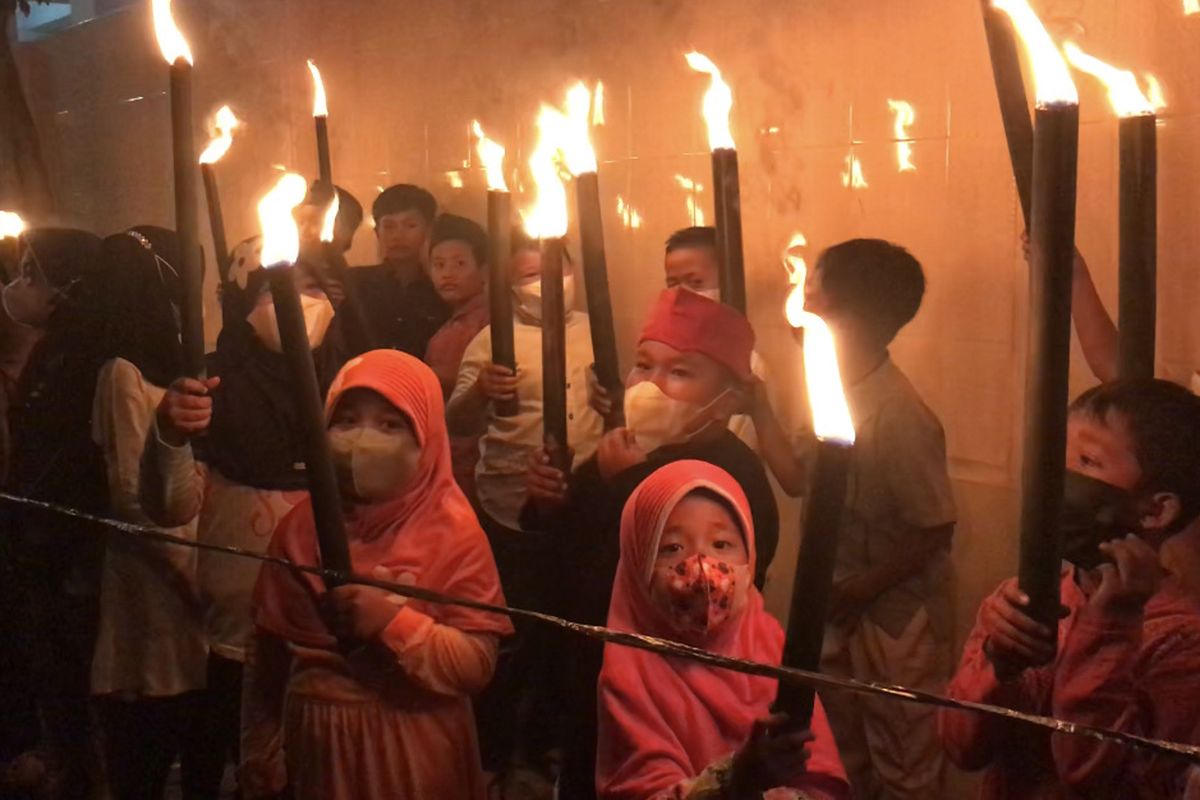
{"x":429,"y":530}
{"x":664,"y":720}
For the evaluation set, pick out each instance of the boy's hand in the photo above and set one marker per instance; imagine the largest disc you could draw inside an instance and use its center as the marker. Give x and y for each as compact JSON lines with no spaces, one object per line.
{"x":545,"y":483}
{"x":772,"y":756}
{"x":497,"y":383}
{"x":362,"y":612}
{"x":597,"y":395}
{"x":185,"y":410}
{"x":1015,"y":641}
{"x":1134,"y":576}
{"x":335,"y":291}
{"x":617,"y":452}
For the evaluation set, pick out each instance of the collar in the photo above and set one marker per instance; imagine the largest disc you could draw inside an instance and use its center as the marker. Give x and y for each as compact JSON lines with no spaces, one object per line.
{"x":475,"y":305}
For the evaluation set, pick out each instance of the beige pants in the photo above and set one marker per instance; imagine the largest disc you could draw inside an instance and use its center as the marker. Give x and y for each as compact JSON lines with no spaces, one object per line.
{"x":890,"y":748}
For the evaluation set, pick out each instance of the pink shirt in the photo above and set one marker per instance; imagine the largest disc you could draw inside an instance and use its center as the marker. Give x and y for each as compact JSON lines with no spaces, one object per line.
{"x":444,"y":354}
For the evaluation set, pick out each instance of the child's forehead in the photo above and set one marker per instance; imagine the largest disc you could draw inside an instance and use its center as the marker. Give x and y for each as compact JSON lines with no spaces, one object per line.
{"x":404,"y":215}
{"x":361,"y":398}
{"x":1109,"y":427}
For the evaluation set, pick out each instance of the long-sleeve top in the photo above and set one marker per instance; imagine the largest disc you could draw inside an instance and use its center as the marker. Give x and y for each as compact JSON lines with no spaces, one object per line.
{"x":1134,"y":673}
{"x":400,"y":316}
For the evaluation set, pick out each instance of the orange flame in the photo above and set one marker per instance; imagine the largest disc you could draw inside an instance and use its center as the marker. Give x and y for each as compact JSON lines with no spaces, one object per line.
{"x":224,"y":122}
{"x":1154,"y":90}
{"x":281,"y":236}
{"x":1191,"y":7}
{"x":598,"y":105}
{"x":1051,"y":77}
{"x":547,"y":217}
{"x":170,"y":39}
{"x":320,"y":104}
{"x":905,"y":116}
{"x":491,"y":153}
{"x":575,"y":131}
{"x":1124,"y":93}
{"x":11,"y":225}
{"x":718,"y":101}
{"x":329,"y":224}
{"x":822,"y":375}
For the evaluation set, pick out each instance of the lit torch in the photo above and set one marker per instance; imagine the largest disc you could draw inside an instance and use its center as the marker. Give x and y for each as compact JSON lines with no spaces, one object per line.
{"x":178,"y":55}
{"x":11,"y":228}
{"x":1138,"y":214}
{"x":499,"y":211}
{"x":224,"y":122}
{"x":280,"y":248}
{"x":1052,"y":247}
{"x":727,"y":202}
{"x":1014,"y":107}
{"x":320,"y":114}
{"x":905,"y":116}
{"x":826,"y":495}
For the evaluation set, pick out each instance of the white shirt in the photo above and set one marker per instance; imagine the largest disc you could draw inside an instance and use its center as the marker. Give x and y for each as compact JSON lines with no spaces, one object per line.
{"x":508,"y":442}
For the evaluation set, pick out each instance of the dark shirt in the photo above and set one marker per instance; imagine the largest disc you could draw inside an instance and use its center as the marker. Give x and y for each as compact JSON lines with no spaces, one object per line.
{"x":399,"y":317}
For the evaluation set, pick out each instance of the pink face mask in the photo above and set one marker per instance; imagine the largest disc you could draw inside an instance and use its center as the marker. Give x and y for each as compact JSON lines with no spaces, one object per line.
{"x":698,"y":594}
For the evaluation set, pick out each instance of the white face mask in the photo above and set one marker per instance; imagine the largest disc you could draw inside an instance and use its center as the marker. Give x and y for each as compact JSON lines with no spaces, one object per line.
{"x":318,"y":314}
{"x":712,"y":294}
{"x":657,"y":420}
{"x":378,"y":465}
{"x":529,"y":297}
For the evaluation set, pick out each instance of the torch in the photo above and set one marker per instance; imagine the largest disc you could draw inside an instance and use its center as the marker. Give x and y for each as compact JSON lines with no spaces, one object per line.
{"x":1138,"y":204}
{"x":281,"y":246}
{"x":224,"y":122}
{"x":1014,"y":108}
{"x":825,"y":500}
{"x":321,"y":120}
{"x":727,"y":200}
{"x":499,"y":215}
{"x":11,"y":228}
{"x":580,"y":159}
{"x":547,"y":222}
{"x":179,"y":56}
{"x":1052,"y":249}
{"x":359,"y":335}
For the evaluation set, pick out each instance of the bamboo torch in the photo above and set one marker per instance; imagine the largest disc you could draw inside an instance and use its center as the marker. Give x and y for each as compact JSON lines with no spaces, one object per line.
{"x":1014,"y":107}
{"x":281,"y":246}
{"x":321,"y":121}
{"x":1052,"y":248}
{"x":727,"y":199}
{"x":224,"y":122}
{"x":178,"y":56}
{"x":824,"y":501}
{"x":1138,"y":210}
{"x":499,"y":215}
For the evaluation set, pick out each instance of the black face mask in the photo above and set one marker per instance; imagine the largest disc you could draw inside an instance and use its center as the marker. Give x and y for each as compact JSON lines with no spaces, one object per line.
{"x":1093,"y":512}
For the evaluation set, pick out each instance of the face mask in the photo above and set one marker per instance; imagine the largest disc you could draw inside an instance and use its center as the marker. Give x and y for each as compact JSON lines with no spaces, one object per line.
{"x":657,"y":420}
{"x":1093,"y":512}
{"x":529,"y":297}
{"x":699,"y":594}
{"x":378,"y":465}
{"x":711,"y":294}
{"x":318,"y":314}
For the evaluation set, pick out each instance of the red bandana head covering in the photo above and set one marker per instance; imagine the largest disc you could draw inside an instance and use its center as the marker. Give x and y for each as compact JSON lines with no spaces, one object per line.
{"x":429,"y":531}
{"x":663,"y":720}
{"x":692,"y":323}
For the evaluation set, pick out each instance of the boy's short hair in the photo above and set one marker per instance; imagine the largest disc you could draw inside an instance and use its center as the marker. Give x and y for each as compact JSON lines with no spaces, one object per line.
{"x":404,"y":197}
{"x":694,"y":237}
{"x":349,"y":213}
{"x":878,"y":282}
{"x":453,"y":228}
{"x":1164,"y":422}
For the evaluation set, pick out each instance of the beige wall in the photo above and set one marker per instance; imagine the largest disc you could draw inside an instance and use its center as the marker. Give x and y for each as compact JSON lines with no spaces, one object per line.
{"x":809,"y":79}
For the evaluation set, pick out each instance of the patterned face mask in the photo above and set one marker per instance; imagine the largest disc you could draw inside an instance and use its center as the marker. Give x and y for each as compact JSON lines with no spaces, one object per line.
{"x":699,"y":594}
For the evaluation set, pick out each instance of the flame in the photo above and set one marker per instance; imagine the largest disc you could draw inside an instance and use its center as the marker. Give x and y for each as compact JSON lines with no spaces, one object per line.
{"x":329,"y":224}
{"x":830,"y":412}
{"x":547,"y":218}
{"x":598,"y":104}
{"x":695,"y":212}
{"x":281,"y":236}
{"x":628,"y":214}
{"x":576,"y":141}
{"x":320,"y":105}
{"x":1191,"y":7}
{"x":11,"y":225}
{"x":224,"y":121}
{"x":1051,"y":77}
{"x":1154,"y":90}
{"x":170,"y":39}
{"x":718,"y":101}
{"x":852,"y":175}
{"x":905,"y":116}
{"x":1123,"y":91}
{"x":491,"y":153}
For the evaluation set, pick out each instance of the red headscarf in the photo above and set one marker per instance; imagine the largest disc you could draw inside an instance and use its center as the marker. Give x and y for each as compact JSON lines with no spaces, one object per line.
{"x":692,"y":323}
{"x":429,"y":531}
{"x":663,"y":720}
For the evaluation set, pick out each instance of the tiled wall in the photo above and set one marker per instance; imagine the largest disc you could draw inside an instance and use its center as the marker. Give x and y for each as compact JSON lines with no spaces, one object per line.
{"x":811,"y":81}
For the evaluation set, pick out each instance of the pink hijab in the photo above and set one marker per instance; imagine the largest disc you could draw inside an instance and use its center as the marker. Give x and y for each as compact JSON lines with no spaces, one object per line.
{"x":663,"y":720}
{"x":429,"y":531}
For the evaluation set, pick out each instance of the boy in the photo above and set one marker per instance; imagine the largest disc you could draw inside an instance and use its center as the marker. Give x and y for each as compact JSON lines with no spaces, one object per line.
{"x":691,"y":375}
{"x":458,"y":267}
{"x":691,"y":261}
{"x":1125,"y":653}
{"x":403,"y":311}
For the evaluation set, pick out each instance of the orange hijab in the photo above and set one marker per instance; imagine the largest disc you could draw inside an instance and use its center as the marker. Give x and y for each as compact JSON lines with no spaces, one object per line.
{"x":662,"y":719}
{"x":429,"y":531}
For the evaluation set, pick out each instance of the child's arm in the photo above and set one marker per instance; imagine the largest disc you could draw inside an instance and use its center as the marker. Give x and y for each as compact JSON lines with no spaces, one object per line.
{"x":120,"y":425}
{"x":263,"y":772}
{"x":775,"y":446}
{"x":479,"y":383}
{"x":172,"y":487}
{"x":440,"y":658}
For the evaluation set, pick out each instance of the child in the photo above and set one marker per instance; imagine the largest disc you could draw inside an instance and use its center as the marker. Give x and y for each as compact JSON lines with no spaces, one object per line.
{"x":667,"y":726}
{"x":402,"y":309}
{"x":691,"y":374}
{"x":377,"y":689}
{"x":890,"y":617}
{"x":149,"y":666}
{"x":1125,"y":653}
{"x":458,"y":259}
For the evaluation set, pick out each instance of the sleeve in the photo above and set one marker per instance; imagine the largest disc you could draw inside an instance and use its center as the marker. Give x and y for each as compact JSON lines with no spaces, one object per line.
{"x":477,"y":354}
{"x":917,"y":476}
{"x":266,"y":670}
{"x":172,"y":483}
{"x":441,"y":658}
{"x":1105,"y":679}
{"x":120,"y":424}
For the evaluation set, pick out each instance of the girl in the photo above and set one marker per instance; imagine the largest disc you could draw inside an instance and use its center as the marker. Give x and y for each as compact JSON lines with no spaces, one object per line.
{"x":148,"y":667}
{"x":668,"y":726}
{"x":377,"y":689}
